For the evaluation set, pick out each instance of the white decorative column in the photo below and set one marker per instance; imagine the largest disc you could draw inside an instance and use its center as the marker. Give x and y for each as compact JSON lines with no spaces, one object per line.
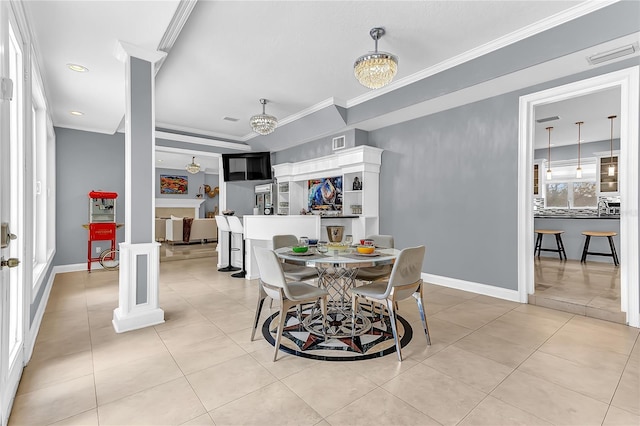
{"x":138,"y":305}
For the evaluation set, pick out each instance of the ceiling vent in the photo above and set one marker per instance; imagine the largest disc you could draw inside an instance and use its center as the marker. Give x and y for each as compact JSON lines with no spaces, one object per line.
{"x":544,"y":120}
{"x":610,"y":55}
{"x":231,"y":119}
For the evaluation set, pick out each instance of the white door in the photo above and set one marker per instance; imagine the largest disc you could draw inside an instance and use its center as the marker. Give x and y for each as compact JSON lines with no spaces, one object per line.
{"x":12,"y":303}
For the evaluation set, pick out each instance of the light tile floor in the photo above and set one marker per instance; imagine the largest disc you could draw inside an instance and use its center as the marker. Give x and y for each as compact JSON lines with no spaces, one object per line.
{"x":591,"y":289}
{"x":492,"y":362}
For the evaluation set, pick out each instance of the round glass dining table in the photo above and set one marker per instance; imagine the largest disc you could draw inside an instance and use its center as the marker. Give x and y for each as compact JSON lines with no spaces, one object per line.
{"x":337,"y":271}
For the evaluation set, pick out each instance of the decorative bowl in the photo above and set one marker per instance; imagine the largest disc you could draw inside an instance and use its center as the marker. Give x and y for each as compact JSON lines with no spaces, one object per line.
{"x":300,"y":249}
{"x":313,"y":242}
{"x":365,"y":249}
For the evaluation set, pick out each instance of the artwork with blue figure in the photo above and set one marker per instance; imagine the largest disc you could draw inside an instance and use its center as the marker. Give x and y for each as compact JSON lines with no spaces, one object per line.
{"x":325,"y":193}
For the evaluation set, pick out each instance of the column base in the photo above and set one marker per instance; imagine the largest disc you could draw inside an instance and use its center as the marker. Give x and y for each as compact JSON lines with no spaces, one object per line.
{"x":138,"y":305}
{"x":134,"y":321}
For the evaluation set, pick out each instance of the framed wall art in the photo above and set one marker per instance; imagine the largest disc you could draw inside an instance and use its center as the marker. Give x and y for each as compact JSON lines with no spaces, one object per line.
{"x":174,"y":184}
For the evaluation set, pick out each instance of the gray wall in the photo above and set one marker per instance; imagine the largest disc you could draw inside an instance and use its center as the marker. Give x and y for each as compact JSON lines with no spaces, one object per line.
{"x":194,"y":183}
{"x":319,"y":148}
{"x":85,"y":161}
{"x":241,"y":196}
{"x":449,"y":181}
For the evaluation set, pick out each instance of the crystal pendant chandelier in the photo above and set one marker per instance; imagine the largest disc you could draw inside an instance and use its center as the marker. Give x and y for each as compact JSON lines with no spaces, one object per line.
{"x":549,"y":159}
{"x":375,"y":69}
{"x":194,"y":167}
{"x":579,"y":169}
{"x":263,"y":123}
{"x":612,"y":167}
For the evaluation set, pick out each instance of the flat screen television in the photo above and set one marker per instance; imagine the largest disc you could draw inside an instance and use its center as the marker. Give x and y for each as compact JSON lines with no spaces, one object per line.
{"x":247,"y":166}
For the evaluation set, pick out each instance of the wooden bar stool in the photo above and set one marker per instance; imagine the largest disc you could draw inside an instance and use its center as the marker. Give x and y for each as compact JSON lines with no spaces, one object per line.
{"x":558,"y":235}
{"x":609,"y":235}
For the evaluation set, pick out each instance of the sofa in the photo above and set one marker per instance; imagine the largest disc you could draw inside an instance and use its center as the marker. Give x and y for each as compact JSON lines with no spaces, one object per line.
{"x":201,"y":230}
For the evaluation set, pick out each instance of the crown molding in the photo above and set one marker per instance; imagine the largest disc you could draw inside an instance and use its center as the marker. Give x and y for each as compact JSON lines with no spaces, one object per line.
{"x":187,"y":151}
{"x":124,"y":50}
{"x":182,"y":13}
{"x":202,"y":141}
{"x":198,"y":132}
{"x":297,"y":116}
{"x":530,"y":30}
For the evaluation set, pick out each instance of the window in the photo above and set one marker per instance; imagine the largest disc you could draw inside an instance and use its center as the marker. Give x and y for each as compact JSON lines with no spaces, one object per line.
{"x":564,"y":190}
{"x":584,"y":194}
{"x":42,"y":180}
{"x":557,"y":195}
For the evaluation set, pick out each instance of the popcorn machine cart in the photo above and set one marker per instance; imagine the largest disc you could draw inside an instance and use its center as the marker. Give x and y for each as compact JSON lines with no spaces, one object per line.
{"x":102,"y":222}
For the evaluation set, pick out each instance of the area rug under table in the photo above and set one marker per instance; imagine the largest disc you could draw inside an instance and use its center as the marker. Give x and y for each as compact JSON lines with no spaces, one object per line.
{"x":377,"y":341}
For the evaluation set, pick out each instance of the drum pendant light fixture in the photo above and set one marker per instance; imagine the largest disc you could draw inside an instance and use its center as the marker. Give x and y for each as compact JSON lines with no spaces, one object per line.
{"x":549,"y":156}
{"x":263,"y":123}
{"x":376,"y":69}
{"x":612,"y":167}
{"x":579,"y":169}
{"x":194,"y":167}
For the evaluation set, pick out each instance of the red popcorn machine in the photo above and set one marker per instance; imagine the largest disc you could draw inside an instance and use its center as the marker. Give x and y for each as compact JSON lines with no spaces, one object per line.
{"x":102,"y":222}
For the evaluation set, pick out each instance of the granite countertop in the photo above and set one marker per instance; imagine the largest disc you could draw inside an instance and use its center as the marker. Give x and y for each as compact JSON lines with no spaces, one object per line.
{"x":575,"y":216}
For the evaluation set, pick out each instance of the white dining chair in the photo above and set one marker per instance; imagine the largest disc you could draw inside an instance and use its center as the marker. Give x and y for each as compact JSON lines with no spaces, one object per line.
{"x":375,"y":273}
{"x":403,"y":282}
{"x":272,"y":283}
{"x":293,"y":272}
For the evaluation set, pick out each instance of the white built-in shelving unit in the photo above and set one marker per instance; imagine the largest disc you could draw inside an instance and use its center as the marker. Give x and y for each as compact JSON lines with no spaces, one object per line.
{"x":360,"y":206}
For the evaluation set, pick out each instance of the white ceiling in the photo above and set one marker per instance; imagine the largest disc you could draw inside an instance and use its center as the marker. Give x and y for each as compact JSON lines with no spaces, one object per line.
{"x":592,"y":110}
{"x":168,"y":158}
{"x":296,"y":54}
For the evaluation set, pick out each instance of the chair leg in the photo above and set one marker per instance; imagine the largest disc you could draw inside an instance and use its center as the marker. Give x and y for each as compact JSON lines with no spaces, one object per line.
{"x":394,"y":327}
{"x":585,"y":249}
{"x":354,"y":309}
{"x":285,"y":306}
{"x":613,"y":251}
{"x":423,"y":317}
{"x":261,"y":296}
{"x":323,"y":303}
{"x":536,"y":250}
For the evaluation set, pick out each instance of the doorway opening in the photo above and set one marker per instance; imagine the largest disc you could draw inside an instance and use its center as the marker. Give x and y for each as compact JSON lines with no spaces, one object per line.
{"x":627,"y":81}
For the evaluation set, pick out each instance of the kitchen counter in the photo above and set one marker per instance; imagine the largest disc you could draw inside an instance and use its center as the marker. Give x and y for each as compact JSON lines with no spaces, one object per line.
{"x":572,"y":237}
{"x":575,"y":216}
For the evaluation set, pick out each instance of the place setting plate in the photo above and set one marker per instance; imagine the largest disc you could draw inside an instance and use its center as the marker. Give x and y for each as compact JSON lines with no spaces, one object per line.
{"x":306,"y":253}
{"x":374,"y":254}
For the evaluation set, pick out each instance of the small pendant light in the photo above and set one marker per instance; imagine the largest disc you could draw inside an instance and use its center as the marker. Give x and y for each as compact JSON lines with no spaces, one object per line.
{"x":579,"y":169}
{"x":612,"y":167}
{"x":549,"y":156}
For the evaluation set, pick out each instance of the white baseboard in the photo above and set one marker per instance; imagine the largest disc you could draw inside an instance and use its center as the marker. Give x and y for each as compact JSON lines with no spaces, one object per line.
{"x":76,"y":267}
{"x":37,"y":320}
{"x":473,"y":287}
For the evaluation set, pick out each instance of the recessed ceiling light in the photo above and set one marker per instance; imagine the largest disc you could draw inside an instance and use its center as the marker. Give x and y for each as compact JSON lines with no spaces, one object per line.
{"x":76,"y":112}
{"x":160,"y":161}
{"x":77,"y":68}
